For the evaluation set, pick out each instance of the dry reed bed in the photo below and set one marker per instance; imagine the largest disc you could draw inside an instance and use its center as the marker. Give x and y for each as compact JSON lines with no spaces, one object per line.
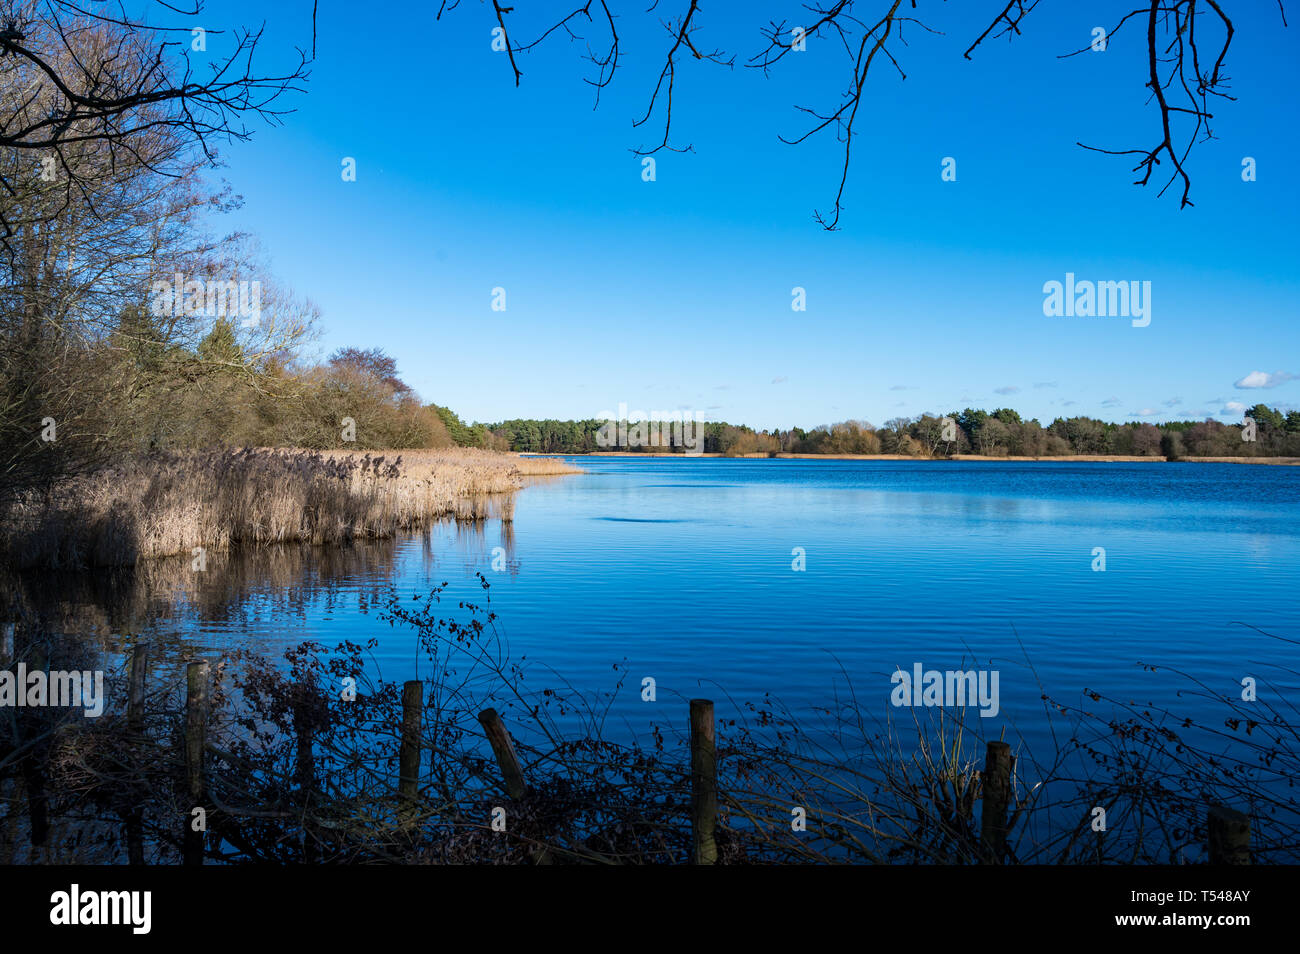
{"x":165,"y":505}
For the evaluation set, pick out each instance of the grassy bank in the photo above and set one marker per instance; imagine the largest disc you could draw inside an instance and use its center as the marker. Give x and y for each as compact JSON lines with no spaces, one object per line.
{"x":164,"y":505}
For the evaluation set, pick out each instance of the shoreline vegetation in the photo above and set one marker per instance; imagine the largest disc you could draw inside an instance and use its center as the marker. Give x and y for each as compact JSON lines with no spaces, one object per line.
{"x":1264,"y":433}
{"x":194,"y":503}
{"x":420,"y":772}
{"x":162,"y":404}
{"x":1063,"y":459}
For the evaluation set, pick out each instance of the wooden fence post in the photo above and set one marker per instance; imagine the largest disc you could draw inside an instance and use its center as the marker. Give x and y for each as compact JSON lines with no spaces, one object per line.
{"x":504,"y":749}
{"x":135,"y":726}
{"x":408,"y":782}
{"x":996,"y":795}
{"x":704,"y":782}
{"x":135,"y":688}
{"x":1229,"y":835}
{"x":32,"y":767}
{"x":306,"y":764}
{"x":196,"y":738}
{"x":33,"y":763}
{"x":305,"y":774}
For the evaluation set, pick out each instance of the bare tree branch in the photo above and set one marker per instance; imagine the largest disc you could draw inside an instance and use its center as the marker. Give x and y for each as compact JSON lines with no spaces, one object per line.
{"x":1178,"y":85}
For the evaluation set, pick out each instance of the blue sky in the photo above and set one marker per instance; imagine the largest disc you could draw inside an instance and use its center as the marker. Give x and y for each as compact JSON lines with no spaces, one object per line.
{"x":676,"y":294}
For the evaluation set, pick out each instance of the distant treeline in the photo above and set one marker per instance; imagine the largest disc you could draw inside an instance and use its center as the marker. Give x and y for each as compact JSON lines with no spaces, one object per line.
{"x":1266,"y":432}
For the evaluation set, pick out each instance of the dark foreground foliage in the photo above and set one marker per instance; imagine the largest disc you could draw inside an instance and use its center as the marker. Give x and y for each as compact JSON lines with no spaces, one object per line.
{"x":302,"y":766}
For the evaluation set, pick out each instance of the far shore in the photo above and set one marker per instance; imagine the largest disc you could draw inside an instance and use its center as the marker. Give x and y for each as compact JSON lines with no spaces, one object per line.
{"x":1063,"y":458}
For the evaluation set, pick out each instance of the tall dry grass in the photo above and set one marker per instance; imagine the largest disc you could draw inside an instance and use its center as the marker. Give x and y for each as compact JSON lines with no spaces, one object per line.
{"x":164,"y":505}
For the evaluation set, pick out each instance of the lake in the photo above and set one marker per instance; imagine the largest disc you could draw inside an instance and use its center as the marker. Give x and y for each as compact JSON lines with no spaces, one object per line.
{"x":684,"y":569}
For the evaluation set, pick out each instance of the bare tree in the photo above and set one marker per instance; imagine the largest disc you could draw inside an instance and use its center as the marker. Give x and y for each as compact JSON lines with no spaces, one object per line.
{"x":1185,"y":54}
{"x":100,"y":210}
{"x":72,"y":75}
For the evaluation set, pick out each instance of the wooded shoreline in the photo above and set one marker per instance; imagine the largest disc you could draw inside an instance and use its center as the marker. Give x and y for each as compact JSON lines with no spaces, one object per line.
{"x":1062,"y":458}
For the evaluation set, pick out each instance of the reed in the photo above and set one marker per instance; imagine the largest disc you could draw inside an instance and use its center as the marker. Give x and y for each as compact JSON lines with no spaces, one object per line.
{"x":164,"y":505}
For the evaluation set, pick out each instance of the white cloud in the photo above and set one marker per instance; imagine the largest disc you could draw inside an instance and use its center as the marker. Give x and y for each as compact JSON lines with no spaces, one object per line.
{"x":1009,"y":389}
{"x":1262,"y":379}
{"x":1234,"y":408}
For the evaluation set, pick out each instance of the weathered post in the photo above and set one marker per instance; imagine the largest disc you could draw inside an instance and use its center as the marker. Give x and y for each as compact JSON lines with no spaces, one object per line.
{"x":996,"y":795}
{"x":38,"y":804}
{"x":1229,"y":833}
{"x":135,"y":837}
{"x":704,"y":782}
{"x":504,"y":749}
{"x":135,"y":688}
{"x":135,"y":726}
{"x":408,"y":761}
{"x":306,"y":763}
{"x":33,"y":763}
{"x":196,"y":738}
{"x":305,"y":775}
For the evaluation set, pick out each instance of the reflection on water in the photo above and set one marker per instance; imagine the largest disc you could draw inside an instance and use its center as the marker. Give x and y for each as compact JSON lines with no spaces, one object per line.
{"x":243,"y":590}
{"x":683,"y":568}
{"x":682,"y":571}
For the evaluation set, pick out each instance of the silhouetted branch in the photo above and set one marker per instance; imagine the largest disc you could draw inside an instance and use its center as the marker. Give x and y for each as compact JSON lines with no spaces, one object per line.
{"x":1183,"y":90}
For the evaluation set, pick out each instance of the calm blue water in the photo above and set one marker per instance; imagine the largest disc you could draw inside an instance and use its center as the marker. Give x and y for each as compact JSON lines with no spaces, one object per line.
{"x":683,"y":568}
